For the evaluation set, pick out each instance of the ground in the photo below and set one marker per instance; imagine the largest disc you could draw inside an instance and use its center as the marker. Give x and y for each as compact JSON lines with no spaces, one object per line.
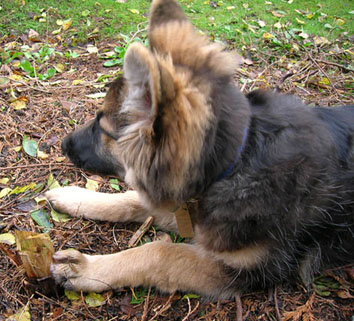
{"x":45,"y":110}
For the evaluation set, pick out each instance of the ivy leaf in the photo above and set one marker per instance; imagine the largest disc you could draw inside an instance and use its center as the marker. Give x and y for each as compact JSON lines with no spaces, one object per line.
{"x":30,"y":146}
{"x":41,"y":217}
{"x":114,"y":184}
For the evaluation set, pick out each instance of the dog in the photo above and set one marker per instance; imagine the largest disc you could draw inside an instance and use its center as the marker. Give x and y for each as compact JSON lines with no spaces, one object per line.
{"x":263,"y":183}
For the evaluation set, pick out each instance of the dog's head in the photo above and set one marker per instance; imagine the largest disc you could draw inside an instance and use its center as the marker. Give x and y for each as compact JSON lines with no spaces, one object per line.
{"x":158,"y":127}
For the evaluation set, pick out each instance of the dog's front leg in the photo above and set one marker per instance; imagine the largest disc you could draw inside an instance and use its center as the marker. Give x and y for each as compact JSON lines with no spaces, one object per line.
{"x":119,"y":207}
{"x":167,"y":266}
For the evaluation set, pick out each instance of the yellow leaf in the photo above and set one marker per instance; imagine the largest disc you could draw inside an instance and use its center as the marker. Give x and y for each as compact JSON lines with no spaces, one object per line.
{"x":4,"y":180}
{"x":59,"y":22}
{"x":17,"y":148}
{"x":92,"y":185}
{"x":60,"y":159}
{"x":324,"y":81}
{"x":5,"y":191}
{"x":340,"y":22}
{"x":57,"y":31}
{"x":15,"y":77}
{"x":59,"y":67}
{"x":230,"y":8}
{"x":42,"y":155}
{"x":77,"y":81}
{"x":245,"y":5}
{"x":18,"y":104}
{"x":309,"y":16}
{"x":7,"y":238}
{"x":52,"y":182}
{"x":134,"y":11}
{"x":40,"y":200}
{"x":321,"y":40}
{"x":22,"y":314}
{"x":267,"y":35}
{"x":300,"y":21}
{"x":67,"y":23}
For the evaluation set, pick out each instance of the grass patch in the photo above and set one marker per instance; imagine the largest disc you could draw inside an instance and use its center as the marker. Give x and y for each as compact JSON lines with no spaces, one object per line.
{"x":236,"y":22}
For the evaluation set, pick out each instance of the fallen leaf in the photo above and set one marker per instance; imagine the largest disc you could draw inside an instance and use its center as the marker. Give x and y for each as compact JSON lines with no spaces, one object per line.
{"x":92,"y":49}
{"x":23,"y":189}
{"x":22,"y":314}
{"x":94,"y":299}
{"x":321,"y":40}
{"x":59,"y":217}
{"x":114,"y":184}
{"x":30,"y":146}
{"x":7,"y":238}
{"x":59,"y":67}
{"x":41,"y":217}
{"x":96,"y":95}
{"x":60,"y":159}
{"x":134,"y":11}
{"x":72,"y":295}
{"x":301,"y":22}
{"x":77,"y":81}
{"x":42,"y":155}
{"x":267,"y":35}
{"x":67,"y":23}
{"x":18,"y":104}
{"x":4,"y":180}
{"x":278,"y":14}
{"x":92,"y":185}
{"x":261,"y":23}
{"x":36,"y":251}
{"x":303,"y":35}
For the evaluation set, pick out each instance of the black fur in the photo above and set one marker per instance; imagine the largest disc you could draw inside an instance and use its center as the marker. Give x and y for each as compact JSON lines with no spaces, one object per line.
{"x":293,"y":189}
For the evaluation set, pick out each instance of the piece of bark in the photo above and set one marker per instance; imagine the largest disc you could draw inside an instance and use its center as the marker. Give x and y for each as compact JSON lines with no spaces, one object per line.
{"x":141,"y":231}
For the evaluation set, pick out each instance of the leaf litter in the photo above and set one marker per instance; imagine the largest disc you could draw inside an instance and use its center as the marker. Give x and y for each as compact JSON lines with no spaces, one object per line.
{"x":318,"y":70}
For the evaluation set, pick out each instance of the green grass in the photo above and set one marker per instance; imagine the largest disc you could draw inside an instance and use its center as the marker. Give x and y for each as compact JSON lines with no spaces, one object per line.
{"x":234,"y":21}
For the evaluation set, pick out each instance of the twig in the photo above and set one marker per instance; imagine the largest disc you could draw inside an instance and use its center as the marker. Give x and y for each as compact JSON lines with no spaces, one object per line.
{"x":190,"y":311}
{"x":276,"y":304}
{"x":146,"y":306}
{"x":36,"y":165}
{"x":335,"y":64}
{"x":24,"y":84}
{"x":164,"y":308}
{"x":239,"y":308}
{"x":140,"y":232}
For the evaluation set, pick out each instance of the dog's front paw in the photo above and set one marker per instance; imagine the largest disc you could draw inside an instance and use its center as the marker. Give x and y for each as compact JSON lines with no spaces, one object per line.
{"x":70,"y":200}
{"x":78,"y":272}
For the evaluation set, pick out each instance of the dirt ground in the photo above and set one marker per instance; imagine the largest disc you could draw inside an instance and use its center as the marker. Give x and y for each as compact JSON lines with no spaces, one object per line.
{"x":320,"y":76}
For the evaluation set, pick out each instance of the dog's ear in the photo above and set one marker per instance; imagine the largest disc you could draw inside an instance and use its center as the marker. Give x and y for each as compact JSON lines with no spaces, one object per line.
{"x":150,"y":84}
{"x":165,"y":11}
{"x":172,"y":34}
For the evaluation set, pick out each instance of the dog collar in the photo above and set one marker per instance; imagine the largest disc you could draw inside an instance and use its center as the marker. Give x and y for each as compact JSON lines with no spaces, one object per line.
{"x":239,"y":151}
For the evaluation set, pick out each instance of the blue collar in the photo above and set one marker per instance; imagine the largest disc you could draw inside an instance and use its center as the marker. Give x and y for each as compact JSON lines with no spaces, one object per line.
{"x":239,"y":151}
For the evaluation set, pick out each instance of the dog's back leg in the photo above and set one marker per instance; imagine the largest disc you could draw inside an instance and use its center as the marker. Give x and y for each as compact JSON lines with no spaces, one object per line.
{"x":119,"y":207}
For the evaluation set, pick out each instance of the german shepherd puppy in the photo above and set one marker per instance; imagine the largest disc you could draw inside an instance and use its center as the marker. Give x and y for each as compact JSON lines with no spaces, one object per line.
{"x":269,"y":182}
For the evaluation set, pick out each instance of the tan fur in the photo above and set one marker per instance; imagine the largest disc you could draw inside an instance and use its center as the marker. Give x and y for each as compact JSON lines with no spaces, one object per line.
{"x":185,"y":121}
{"x":168,"y":266}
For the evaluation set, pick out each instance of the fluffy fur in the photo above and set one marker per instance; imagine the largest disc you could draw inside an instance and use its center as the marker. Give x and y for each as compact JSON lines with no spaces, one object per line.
{"x":274,"y":179}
